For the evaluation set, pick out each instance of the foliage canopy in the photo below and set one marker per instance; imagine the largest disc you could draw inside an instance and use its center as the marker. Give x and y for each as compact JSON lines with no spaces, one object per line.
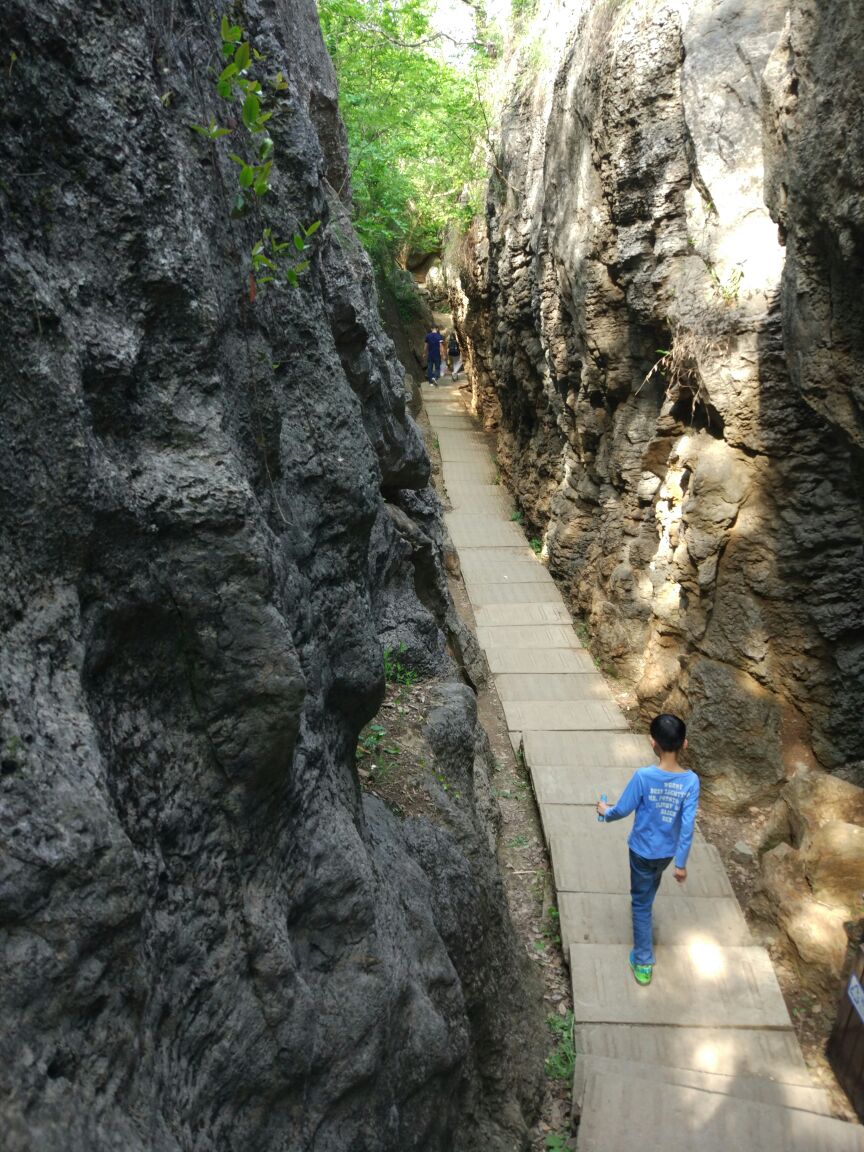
{"x":415,"y":123}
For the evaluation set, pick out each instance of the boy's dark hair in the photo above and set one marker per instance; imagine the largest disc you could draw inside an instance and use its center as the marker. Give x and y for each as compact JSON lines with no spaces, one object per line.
{"x":669,"y":732}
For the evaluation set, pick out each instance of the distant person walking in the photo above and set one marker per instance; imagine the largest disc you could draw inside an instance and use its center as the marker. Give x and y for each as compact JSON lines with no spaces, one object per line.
{"x":665,"y":798}
{"x":433,"y":343}
{"x":453,"y":355}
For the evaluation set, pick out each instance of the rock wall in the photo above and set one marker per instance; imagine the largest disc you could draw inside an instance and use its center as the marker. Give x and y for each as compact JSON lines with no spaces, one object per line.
{"x":214,"y":512}
{"x":663,"y":317}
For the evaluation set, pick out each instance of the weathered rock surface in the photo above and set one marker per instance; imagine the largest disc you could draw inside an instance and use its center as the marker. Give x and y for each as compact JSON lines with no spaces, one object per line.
{"x":214,"y":514}
{"x":662,"y":316}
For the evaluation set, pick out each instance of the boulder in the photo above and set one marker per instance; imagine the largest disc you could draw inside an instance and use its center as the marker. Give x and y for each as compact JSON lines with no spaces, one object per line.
{"x":834,"y":864}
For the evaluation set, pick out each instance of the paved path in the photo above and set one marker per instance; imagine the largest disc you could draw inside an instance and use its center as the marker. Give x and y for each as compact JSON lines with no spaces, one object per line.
{"x":706,"y":1056}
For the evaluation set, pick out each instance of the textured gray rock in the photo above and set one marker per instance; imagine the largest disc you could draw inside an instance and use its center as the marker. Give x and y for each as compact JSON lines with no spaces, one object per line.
{"x":214,"y":515}
{"x":675,"y":374}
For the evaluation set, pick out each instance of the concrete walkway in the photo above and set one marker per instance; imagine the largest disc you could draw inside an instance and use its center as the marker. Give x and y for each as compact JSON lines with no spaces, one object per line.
{"x":706,"y":1056}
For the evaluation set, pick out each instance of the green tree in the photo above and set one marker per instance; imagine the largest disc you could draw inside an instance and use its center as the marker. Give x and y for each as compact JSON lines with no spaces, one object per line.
{"x":416,"y":125}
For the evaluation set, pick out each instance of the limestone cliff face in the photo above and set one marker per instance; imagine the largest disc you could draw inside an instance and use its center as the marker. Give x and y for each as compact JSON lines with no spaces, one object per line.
{"x":213,"y":513}
{"x":663,"y":316}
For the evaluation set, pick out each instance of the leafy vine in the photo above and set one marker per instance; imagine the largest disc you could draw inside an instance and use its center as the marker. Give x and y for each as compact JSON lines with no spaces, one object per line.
{"x":279,"y":260}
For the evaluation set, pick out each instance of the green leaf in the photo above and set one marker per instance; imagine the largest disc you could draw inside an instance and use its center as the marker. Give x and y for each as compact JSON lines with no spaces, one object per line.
{"x":251,"y":111}
{"x":299,"y":243}
{"x":291,"y":277}
{"x":246,"y":177}
{"x":241,"y":56}
{"x":313,"y":228}
{"x":230,"y":32}
{"x":218,"y":133}
{"x":227,"y":49}
{"x":228,"y":72}
{"x":258,"y":249}
{"x":258,"y":55}
{"x":303,"y":266}
{"x":200,"y":129}
{"x":225,"y":89}
{"x":238,"y":208}
{"x":265,"y":150}
{"x":261,"y":186}
{"x":261,"y":121}
{"x":279,"y":82}
{"x":237,"y":159}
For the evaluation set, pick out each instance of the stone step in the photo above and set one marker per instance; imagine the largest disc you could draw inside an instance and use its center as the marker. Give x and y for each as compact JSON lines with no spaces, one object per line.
{"x":567,"y":715}
{"x":700,"y":984}
{"x":453,"y":422}
{"x":478,"y":471}
{"x":773,"y":1054}
{"x":483,"y":531}
{"x":502,"y":566}
{"x":553,"y":785}
{"x":548,"y":612}
{"x":622,"y":1114}
{"x":538,"y":592}
{"x":474,"y":434}
{"x":573,"y":715}
{"x":472,"y":438}
{"x":587,"y":862}
{"x":761,"y":1090}
{"x":458,"y":447}
{"x":528,"y":636}
{"x":583,"y":749}
{"x":604,"y":918}
{"x":477,"y":498}
{"x":548,"y":687}
{"x":525,"y":660}
{"x":461,"y":417}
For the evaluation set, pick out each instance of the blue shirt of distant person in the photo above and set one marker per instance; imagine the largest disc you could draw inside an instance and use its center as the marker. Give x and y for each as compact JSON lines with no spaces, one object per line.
{"x":433,"y":343}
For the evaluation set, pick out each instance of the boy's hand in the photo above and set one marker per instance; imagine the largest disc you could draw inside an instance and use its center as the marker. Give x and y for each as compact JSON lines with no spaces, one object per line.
{"x":603,"y":807}
{"x":680,"y":874}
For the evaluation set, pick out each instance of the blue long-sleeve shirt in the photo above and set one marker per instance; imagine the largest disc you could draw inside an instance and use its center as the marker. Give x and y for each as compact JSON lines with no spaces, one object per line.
{"x":665,"y":804}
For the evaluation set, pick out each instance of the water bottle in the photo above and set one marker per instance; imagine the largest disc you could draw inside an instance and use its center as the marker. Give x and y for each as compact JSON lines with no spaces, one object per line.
{"x":600,"y":818}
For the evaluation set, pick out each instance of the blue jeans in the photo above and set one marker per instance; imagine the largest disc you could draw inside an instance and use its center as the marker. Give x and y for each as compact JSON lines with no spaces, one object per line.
{"x":645,"y":877}
{"x":433,"y":369}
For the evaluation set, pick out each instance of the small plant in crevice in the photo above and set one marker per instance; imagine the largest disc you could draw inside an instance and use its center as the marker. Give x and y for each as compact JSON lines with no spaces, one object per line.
{"x":536,"y":546}
{"x":561,"y":1061}
{"x":395,"y":672}
{"x":678,"y":370}
{"x":556,"y":1142}
{"x":447,"y":787}
{"x":729,"y":289}
{"x":375,"y":750}
{"x":517,"y":517}
{"x":552,"y":926}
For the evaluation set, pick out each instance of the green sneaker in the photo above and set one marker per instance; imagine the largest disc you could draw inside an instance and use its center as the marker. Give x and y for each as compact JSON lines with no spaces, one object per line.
{"x":642,"y":972}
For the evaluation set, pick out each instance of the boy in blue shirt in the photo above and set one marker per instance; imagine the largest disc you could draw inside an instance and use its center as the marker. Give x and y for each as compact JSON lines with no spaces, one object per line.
{"x":665,"y":798}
